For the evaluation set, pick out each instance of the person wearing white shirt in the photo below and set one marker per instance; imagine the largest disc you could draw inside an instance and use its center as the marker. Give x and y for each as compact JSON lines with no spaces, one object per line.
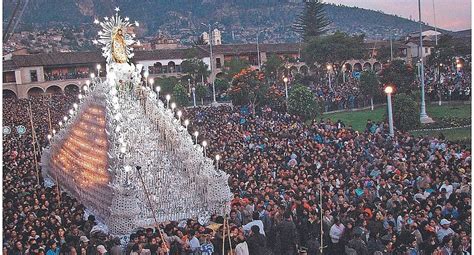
{"x":336,"y":232}
{"x":256,"y":221}
{"x":194,"y":245}
{"x":448,"y":187}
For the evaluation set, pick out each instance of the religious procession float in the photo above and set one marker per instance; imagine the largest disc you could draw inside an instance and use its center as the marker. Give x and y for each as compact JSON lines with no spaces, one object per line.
{"x":122,"y":152}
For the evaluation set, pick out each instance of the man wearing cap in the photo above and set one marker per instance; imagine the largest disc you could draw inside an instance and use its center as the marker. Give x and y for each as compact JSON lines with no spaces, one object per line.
{"x":444,"y":230}
{"x":101,"y":250}
{"x":85,"y":248}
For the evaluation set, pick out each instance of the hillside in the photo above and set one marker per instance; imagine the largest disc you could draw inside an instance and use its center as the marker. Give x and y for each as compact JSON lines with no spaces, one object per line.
{"x":239,"y":20}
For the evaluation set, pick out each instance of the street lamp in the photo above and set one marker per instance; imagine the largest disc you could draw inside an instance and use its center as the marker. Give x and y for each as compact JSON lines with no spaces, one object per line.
{"x":98,"y":69}
{"x":211,"y":60}
{"x":146,"y":77}
{"x":179,"y":113}
{"x":196,"y":133}
{"x":204,"y":144}
{"x":285,"y":80}
{"x":92,"y":76}
{"x":329,"y":67}
{"x":218,"y":157}
{"x":389,"y":90}
{"x":168,"y":97}
{"x":189,"y":86}
{"x":158,"y":88}
{"x":186,"y":123}
{"x":194,"y":96}
{"x":151,"y":82}
{"x":173,"y":105}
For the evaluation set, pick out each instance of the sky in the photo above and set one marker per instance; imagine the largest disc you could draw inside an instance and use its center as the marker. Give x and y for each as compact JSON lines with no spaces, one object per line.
{"x":452,"y":15}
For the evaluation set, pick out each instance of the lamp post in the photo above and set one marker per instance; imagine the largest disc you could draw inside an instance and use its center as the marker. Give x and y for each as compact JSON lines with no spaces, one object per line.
{"x":329,"y":67}
{"x":98,"y":70}
{"x":92,"y":76}
{"x":218,"y":157}
{"x":173,"y":105}
{"x":194,"y":96}
{"x":151,"y":82}
{"x":389,"y":90}
{"x":168,"y":97}
{"x":158,"y":88}
{"x":196,"y":133}
{"x":211,"y":60}
{"x":285,"y":80}
{"x":186,"y":123}
{"x":204,"y":144}
{"x":179,"y":113}
{"x":423,"y":116}
{"x":189,"y":86}
{"x":146,"y":78}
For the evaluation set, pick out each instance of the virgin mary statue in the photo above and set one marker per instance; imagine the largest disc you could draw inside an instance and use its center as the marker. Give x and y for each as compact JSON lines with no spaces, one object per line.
{"x":119,"y":54}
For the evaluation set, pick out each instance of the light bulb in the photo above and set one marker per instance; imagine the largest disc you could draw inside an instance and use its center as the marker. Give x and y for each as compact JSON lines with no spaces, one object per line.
{"x":54,"y":131}
{"x":179,"y":113}
{"x":71,"y":111}
{"x":75,"y":106}
{"x":65,"y":118}
{"x":158,"y":88}
{"x":168,"y":97}
{"x":196,"y":133}
{"x":186,"y":122}
{"x":173,"y":105}
{"x":218,"y":157}
{"x":49,"y":137}
{"x":60,"y":123}
{"x":204,"y":143}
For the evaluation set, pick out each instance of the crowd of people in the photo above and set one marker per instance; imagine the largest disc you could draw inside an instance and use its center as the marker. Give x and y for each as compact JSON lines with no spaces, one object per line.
{"x":319,"y":186}
{"x":448,"y":84}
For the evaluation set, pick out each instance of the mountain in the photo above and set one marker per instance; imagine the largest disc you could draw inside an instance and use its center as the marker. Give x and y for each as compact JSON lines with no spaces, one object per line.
{"x":239,"y":20}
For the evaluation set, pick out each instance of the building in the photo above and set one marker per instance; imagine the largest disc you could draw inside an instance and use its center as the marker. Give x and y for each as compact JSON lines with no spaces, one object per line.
{"x":24,"y":74}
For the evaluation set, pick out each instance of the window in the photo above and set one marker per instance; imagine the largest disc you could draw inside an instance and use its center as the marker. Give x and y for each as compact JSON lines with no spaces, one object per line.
{"x":33,"y":76}
{"x":218,"y":63}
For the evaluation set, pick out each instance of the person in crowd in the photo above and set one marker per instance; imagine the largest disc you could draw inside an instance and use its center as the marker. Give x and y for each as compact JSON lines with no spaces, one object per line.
{"x":406,"y":192}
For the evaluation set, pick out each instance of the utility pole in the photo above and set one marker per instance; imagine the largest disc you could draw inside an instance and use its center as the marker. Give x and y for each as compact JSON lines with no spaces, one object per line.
{"x":391,"y":49}
{"x":258,"y":53}
{"x":434,"y":17}
{"x":423,"y":116}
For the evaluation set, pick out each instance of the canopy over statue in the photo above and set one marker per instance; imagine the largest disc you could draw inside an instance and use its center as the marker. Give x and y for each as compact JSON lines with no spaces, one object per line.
{"x":125,"y":156}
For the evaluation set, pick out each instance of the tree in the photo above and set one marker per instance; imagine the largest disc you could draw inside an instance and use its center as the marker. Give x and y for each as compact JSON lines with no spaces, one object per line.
{"x":235,"y":66}
{"x":447,"y":49}
{"x":383,"y":54}
{"x":221,"y":85}
{"x":405,"y":112}
{"x":301,"y":102}
{"x":201,"y":92}
{"x":248,"y":87}
{"x":399,"y":75}
{"x":312,"y":22}
{"x":180,"y":95}
{"x":334,"y":49}
{"x":369,"y":85}
{"x":271,"y":66}
{"x":195,"y":68}
{"x":166,"y":84}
